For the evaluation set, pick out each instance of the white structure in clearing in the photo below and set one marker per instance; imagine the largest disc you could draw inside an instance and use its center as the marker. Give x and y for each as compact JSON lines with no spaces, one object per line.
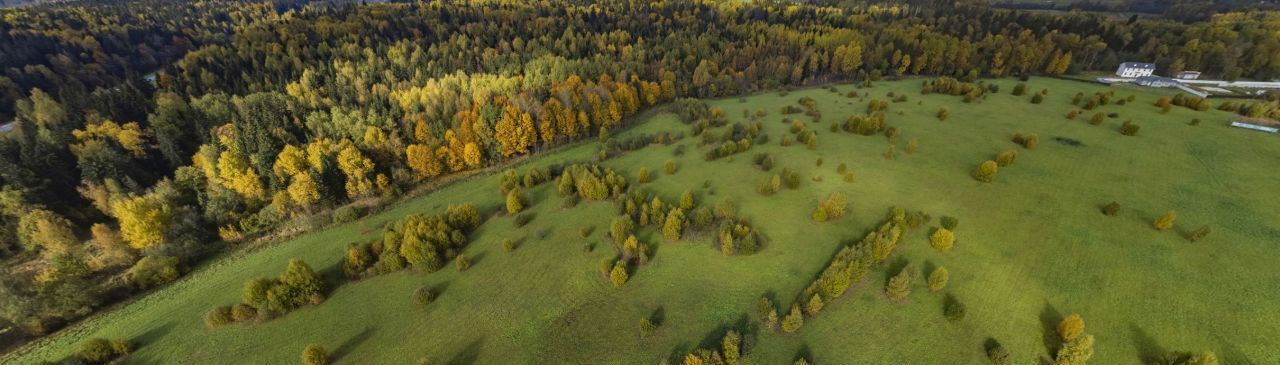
{"x":1135,"y":69}
{"x":1187,"y":75}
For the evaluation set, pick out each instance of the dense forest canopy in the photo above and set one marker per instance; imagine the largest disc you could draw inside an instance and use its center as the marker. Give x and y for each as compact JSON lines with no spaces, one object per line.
{"x":147,"y":133}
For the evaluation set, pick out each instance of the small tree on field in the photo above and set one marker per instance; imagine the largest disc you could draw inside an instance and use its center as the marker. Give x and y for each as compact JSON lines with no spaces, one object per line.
{"x":792,"y":322}
{"x":1129,"y":129}
{"x":998,"y":355}
{"x":943,"y":113}
{"x":644,"y":176}
{"x":1163,"y":101}
{"x":938,"y":279}
{"x":1111,"y":209}
{"x":217,"y":317}
{"x":509,"y":245}
{"x":899,"y":285}
{"x":669,"y":167}
{"x":1198,"y":234}
{"x":423,"y":296}
{"x":686,"y":200}
{"x":986,"y":172}
{"x":1019,"y":89}
{"x":1006,"y":157}
{"x":942,"y":239}
{"x":1097,"y":118}
{"x":1075,"y":352}
{"x":813,"y":306}
{"x":819,"y":214}
{"x":646,"y":327}
{"x":1037,"y":98}
{"x":674,"y":225}
{"x":618,"y":275}
{"x":463,"y":262}
{"x":1072,"y":114}
{"x":314,"y":354}
{"x":954,"y":310}
{"x":1071,"y":327}
{"x":1165,"y":221}
{"x":515,"y":201}
{"x":912,"y":146}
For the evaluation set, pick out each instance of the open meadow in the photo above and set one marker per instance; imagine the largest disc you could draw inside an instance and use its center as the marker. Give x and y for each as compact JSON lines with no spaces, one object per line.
{"x":1032,"y":246}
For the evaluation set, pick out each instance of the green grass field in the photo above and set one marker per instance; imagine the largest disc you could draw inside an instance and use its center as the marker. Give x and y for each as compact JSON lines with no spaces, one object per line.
{"x":1032,"y":247}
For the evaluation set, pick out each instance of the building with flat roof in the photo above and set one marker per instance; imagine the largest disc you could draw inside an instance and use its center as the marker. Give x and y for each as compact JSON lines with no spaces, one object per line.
{"x":1135,"y":69}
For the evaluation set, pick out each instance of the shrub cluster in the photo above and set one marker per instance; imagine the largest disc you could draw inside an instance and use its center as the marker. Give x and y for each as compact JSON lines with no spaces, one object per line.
{"x":1129,"y":129}
{"x":763,"y":161}
{"x":101,"y":350}
{"x":730,"y":352}
{"x":831,"y":208}
{"x":986,"y":171}
{"x":1028,"y":141}
{"x":951,"y":86}
{"x":424,"y":241}
{"x":512,"y":180}
{"x":590,"y":182}
{"x":899,"y":286}
{"x":737,"y":237}
{"x":734,"y":140}
{"x":867,"y":125}
{"x":1097,"y":99}
{"x":266,"y":298}
{"x":852,"y":262}
{"x":1191,"y":102}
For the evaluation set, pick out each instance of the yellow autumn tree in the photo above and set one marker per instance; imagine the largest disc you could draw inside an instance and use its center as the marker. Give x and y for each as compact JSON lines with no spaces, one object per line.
{"x":142,"y":220}
{"x":303,"y":191}
{"x":356,"y":167}
{"x":129,"y":136}
{"x":423,"y":161}
{"x":236,"y":174}
{"x":472,"y":154}
{"x":291,"y":161}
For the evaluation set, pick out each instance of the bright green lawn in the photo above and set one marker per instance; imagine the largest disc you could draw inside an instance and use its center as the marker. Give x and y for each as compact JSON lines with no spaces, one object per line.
{"x":1032,"y":247}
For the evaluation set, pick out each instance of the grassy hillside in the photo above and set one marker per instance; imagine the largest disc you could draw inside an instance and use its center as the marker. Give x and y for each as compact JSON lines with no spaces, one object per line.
{"x":1032,"y":247}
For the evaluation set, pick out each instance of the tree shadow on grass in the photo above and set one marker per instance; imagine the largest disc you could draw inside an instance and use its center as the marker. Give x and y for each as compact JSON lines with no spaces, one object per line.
{"x":1049,"y":319}
{"x":658,"y":316}
{"x":152,"y":335}
{"x":475,"y":259}
{"x":351,"y":343}
{"x":438,"y":290}
{"x":894,"y":268}
{"x":468,"y":355}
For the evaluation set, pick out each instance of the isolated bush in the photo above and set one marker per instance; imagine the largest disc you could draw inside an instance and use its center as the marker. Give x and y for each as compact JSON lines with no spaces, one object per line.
{"x":1129,"y":129}
{"x":1037,"y":98}
{"x":820,"y":214}
{"x":949,"y":222}
{"x":462,"y":262}
{"x":943,"y":113}
{"x":1075,"y":352}
{"x":1097,"y":118}
{"x":1071,"y":327}
{"x":942,"y":239}
{"x":674,"y":225}
{"x":986,"y":172}
{"x":793,"y":321}
{"x":643,"y":176}
{"x":938,"y":279}
{"x":912,"y":146}
{"x":1072,"y":114}
{"x":1019,"y":89}
{"x":1198,"y":234}
{"x":153,"y":271}
{"x":813,"y":306}
{"x":1111,"y":209}
{"x":646,"y":327}
{"x":217,"y":317}
{"x":509,"y":245}
{"x":899,"y":285}
{"x":314,"y":354}
{"x":669,"y":167}
{"x":1165,"y":221}
{"x":618,"y":275}
{"x":522,"y":219}
{"x":241,"y":312}
{"x":96,"y":350}
{"x":954,"y":310}
{"x":998,"y":355}
{"x":515,"y":201}
{"x":423,"y":296}
{"x":346,"y":213}
{"x":1006,"y":157}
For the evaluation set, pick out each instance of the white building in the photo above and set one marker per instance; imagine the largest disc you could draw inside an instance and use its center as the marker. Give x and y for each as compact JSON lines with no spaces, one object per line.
{"x":1135,"y":69}
{"x":1156,"y":81}
{"x":1187,"y":75}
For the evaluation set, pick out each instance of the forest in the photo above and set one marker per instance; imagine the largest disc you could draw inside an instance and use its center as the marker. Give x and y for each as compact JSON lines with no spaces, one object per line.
{"x":149,"y":135}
